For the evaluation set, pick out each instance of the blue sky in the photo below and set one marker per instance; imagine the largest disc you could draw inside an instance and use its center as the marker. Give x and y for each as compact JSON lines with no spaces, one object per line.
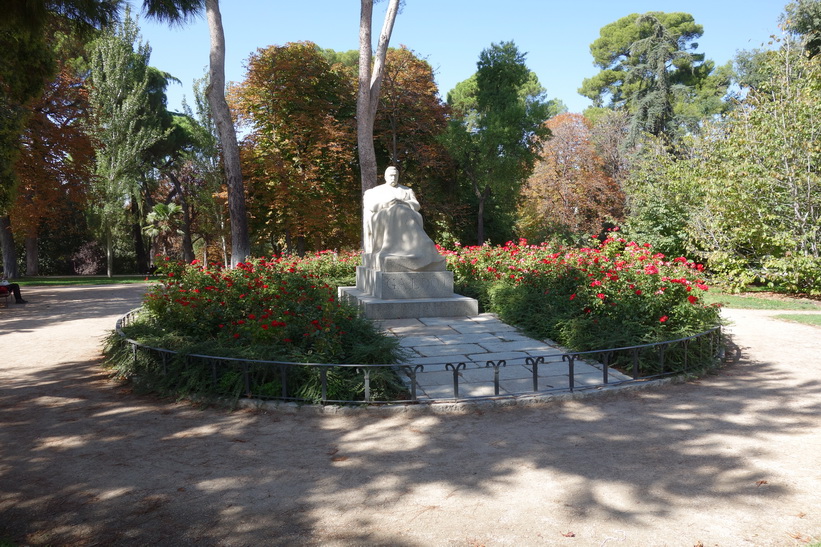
{"x":450,"y":34}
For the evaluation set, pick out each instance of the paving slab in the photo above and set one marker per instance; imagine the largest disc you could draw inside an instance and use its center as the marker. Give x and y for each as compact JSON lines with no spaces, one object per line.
{"x":474,"y":341}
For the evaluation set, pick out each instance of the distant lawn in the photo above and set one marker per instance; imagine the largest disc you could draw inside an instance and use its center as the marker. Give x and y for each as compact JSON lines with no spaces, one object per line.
{"x":81,"y":280}
{"x":758,"y":301}
{"x":805,"y":319}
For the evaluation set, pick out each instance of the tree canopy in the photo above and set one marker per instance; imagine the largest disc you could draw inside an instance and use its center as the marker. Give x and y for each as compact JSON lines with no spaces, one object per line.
{"x":498,"y":117}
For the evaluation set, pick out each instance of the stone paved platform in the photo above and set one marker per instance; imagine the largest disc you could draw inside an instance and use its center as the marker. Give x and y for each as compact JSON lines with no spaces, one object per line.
{"x":440,"y":344}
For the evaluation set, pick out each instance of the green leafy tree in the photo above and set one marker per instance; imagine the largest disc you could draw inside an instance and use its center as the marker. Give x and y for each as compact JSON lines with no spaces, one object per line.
{"x":163,"y":223}
{"x":498,"y":117}
{"x":649,"y":67}
{"x":123,"y":123}
{"x":759,"y":169}
{"x":803,"y":19}
{"x":662,"y":195}
{"x":204,"y":179}
{"x":745,"y":193}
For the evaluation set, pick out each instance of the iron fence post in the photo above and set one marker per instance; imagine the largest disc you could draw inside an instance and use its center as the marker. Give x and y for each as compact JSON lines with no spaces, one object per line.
{"x":533,"y":363}
{"x":455,"y":369}
{"x":496,"y":365}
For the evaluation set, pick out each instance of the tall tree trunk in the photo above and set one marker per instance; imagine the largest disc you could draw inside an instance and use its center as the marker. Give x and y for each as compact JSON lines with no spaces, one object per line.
{"x":7,"y":243}
{"x":480,"y":222}
{"x":364,"y":125}
{"x":240,"y":241}
{"x":109,"y":250}
{"x":480,"y":215}
{"x":370,"y":82}
{"x":187,"y":242}
{"x":143,"y":256}
{"x":32,"y":254}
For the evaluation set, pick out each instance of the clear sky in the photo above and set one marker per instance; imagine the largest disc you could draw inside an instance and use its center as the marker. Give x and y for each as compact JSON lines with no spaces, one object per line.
{"x":450,"y":34}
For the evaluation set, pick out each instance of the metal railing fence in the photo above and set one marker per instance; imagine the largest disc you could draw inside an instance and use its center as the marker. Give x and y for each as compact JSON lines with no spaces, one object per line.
{"x":274,"y":380}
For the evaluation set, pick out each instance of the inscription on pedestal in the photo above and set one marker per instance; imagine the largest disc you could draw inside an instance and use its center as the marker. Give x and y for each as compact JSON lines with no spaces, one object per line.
{"x":400,"y":285}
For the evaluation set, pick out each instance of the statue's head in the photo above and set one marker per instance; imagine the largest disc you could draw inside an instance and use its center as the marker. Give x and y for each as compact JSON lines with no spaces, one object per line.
{"x":392,"y":175}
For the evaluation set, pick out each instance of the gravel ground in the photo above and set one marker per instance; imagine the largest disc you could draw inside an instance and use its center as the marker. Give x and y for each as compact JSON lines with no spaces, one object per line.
{"x":733,"y":459}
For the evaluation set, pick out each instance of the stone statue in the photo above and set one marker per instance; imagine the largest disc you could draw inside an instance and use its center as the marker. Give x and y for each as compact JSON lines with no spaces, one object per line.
{"x":394,"y":238}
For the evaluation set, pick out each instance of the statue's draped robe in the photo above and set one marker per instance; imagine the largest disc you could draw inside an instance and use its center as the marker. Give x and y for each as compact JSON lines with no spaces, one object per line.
{"x":394,"y":233}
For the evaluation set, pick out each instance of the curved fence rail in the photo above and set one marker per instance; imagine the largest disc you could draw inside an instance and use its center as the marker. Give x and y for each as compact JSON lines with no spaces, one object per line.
{"x":558,"y":372}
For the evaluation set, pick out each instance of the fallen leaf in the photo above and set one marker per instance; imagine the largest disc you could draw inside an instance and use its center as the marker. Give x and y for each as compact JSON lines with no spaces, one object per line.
{"x":760,"y":483}
{"x":238,"y":441}
{"x":339,"y":459}
{"x":568,"y":534}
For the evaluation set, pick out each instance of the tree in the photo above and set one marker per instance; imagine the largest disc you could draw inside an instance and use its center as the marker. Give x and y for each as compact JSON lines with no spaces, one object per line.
{"x":569,"y":191}
{"x":240,"y":239}
{"x":178,"y":11}
{"x":298,"y":155}
{"x":370,"y":82}
{"x":203,"y":177}
{"x":411,"y":115}
{"x":498,"y":117}
{"x":648,"y":67}
{"x":652,"y":105}
{"x":163,"y":222}
{"x":26,"y":29}
{"x":803,"y":19}
{"x":55,"y":165}
{"x":409,"y":123}
{"x":123,"y":123}
{"x":759,"y":169}
{"x":613,"y":52}
{"x":661,"y":195}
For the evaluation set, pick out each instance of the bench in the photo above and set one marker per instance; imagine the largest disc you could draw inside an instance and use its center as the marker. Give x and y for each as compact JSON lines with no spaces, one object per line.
{"x":5,"y":294}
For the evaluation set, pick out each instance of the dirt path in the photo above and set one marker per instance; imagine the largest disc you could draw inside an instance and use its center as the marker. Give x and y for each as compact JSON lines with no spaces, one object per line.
{"x":731,"y":460}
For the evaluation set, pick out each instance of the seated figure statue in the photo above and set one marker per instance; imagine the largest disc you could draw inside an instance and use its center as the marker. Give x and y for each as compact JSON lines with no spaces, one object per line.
{"x":393,"y":232}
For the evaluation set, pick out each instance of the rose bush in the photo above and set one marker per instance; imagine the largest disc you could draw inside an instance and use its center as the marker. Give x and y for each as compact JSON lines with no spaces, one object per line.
{"x":614,"y":293}
{"x":279,"y":309}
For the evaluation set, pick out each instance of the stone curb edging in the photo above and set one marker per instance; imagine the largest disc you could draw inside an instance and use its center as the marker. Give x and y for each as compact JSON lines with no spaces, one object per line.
{"x":461,"y":406}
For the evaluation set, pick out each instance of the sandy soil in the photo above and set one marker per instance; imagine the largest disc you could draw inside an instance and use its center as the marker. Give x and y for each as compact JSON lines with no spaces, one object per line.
{"x":733,"y":459}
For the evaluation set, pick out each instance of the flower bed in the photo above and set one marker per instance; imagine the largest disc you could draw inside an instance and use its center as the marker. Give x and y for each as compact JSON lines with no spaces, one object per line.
{"x":280,"y":309}
{"x":613,"y":294}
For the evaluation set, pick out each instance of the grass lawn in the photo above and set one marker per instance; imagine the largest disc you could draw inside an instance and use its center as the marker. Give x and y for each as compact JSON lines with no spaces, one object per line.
{"x":80,"y":280}
{"x":762,"y":301}
{"x":806,"y":319}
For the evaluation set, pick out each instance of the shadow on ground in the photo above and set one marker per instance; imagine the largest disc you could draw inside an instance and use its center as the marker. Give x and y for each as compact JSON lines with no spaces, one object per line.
{"x":86,"y":462}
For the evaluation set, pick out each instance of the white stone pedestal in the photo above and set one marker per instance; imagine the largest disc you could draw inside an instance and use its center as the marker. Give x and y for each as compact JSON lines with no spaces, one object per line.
{"x":403,"y":294}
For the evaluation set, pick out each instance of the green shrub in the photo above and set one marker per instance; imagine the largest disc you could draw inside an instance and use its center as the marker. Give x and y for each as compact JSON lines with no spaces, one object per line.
{"x":278,"y":310}
{"x":613,"y":294}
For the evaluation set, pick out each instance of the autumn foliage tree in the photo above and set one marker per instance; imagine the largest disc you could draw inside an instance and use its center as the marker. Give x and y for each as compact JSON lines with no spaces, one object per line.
{"x":407,"y":129}
{"x":299,"y":156}
{"x":569,"y":195}
{"x":55,"y":165}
